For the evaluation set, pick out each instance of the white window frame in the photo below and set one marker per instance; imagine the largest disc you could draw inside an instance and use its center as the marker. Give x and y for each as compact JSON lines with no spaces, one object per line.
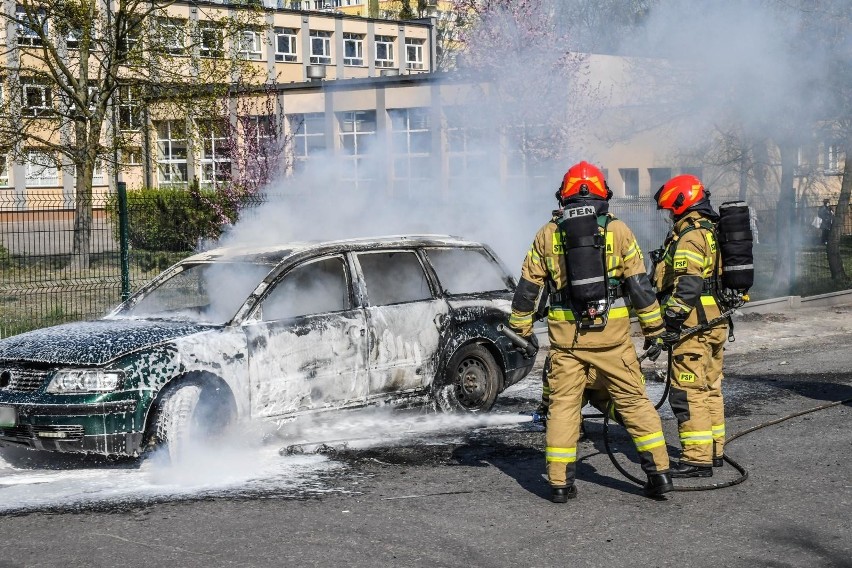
{"x":359,"y":137}
{"x":384,"y":43}
{"x":357,"y":42}
{"x":4,"y":171}
{"x":290,"y":38}
{"x":321,"y":38}
{"x":415,"y":47}
{"x":46,"y":97}
{"x":213,"y":138}
{"x":250,"y":45}
{"x":39,"y":175}
{"x":26,"y":34}
{"x":174,"y":42}
{"x":128,"y":106}
{"x":303,"y":132}
{"x":173,"y":174}
{"x":405,"y":126}
{"x":832,"y":159}
{"x":211,"y":41}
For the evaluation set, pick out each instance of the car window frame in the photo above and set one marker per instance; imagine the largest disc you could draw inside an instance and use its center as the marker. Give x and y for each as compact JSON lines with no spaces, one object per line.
{"x":434,"y":292}
{"x":507,"y":277}
{"x":254,"y":315}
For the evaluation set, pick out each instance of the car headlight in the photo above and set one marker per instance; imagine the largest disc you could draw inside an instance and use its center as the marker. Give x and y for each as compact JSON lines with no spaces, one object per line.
{"x":84,"y":380}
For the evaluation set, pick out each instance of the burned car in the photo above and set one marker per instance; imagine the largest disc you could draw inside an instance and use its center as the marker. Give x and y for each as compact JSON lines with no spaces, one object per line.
{"x":267,"y":333}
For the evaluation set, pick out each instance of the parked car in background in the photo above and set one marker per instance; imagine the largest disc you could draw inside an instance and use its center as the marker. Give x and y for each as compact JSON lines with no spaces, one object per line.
{"x":267,"y":333}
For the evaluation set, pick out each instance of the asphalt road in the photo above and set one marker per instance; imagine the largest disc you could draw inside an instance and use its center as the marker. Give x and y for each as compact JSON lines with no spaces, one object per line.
{"x":479,"y":499}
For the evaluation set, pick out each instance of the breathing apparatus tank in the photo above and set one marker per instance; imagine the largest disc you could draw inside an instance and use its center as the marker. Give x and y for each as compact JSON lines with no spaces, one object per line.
{"x":735,"y":241}
{"x":584,"y":247}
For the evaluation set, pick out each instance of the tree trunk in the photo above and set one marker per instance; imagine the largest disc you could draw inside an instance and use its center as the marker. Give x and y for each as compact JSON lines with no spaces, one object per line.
{"x":82,"y":216}
{"x":841,"y":217}
{"x":744,"y":167}
{"x":783,"y":276}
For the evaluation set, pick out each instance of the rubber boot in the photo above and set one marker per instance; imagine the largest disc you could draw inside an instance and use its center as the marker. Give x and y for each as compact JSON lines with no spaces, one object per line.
{"x":562,"y":494}
{"x":658,"y":483}
{"x":718,"y":462}
{"x":686,"y":470}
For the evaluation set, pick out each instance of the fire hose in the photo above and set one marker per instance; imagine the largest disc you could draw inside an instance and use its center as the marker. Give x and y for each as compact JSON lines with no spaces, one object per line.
{"x":530,"y":350}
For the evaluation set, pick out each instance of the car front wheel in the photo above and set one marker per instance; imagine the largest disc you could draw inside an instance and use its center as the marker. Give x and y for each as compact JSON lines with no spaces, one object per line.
{"x":472,"y":381}
{"x":189,"y":416}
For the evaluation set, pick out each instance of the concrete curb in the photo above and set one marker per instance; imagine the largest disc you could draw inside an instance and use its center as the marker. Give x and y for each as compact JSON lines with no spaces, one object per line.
{"x":785,"y":303}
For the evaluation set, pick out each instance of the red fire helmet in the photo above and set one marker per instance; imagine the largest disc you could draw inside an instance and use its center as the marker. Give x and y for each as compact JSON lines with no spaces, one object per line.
{"x":584,"y":180}
{"x":680,"y":193}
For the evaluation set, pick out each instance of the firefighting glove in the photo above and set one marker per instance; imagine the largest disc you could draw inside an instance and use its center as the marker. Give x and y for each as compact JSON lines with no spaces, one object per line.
{"x":653,"y":347}
{"x":534,"y":342}
{"x":674,"y":322}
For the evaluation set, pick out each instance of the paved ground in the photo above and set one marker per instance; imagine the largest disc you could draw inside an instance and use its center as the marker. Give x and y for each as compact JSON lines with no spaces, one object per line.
{"x":478,"y":498}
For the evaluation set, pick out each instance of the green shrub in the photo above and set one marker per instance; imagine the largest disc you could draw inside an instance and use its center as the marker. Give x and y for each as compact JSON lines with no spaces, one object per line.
{"x":173,"y":219}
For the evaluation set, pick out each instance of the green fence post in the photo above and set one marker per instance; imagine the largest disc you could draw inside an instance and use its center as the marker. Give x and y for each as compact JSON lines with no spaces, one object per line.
{"x":123,"y":240}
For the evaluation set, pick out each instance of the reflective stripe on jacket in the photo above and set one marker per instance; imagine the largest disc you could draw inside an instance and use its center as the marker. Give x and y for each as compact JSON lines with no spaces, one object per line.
{"x":688,"y":264}
{"x":546,"y":261}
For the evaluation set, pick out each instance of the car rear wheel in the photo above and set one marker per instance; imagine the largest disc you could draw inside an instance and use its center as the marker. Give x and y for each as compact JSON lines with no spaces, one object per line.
{"x":472,"y":381}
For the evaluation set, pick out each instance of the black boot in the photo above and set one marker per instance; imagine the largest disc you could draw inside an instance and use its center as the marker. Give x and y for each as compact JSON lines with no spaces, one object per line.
{"x":562,"y":494}
{"x":658,"y":483}
{"x":686,"y":470}
{"x":718,"y":462}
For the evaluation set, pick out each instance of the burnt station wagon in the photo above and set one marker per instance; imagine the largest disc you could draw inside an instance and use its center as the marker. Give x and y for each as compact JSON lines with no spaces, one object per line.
{"x":267,"y":333}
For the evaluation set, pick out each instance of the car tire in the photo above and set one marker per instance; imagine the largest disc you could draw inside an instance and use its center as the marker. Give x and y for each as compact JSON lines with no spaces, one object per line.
{"x":177,"y":424}
{"x":472,"y":380}
{"x":189,"y":416}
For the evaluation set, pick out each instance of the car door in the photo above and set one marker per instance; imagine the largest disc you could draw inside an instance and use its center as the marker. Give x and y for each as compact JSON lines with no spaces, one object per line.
{"x":404,"y":321}
{"x":307,"y":342}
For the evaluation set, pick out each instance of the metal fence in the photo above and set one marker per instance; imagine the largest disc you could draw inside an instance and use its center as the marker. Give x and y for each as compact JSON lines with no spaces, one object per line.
{"x":43,"y":281}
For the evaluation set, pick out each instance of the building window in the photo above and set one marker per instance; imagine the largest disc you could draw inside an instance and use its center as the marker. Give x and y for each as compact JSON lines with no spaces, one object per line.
{"x":36,"y":98}
{"x":131,"y":156}
{"x":411,"y":148}
{"x":308,"y":138}
{"x":524,"y":157}
{"x":260,"y":140}
{"x":215,"y":153}
{"x":466,"y":143}
{"x":171,"y":152}
{"x":41,"y":170}
{"x":696,"y":171}
{"x":4,"y":171}
{"x":72,"y":40}
{"x":357,"y":134}
{"x":631,"y":181}
{"x":250,"y":45}
{"x":659,"y":176}
{"x":210,"y":41}
{"x":384,"y":51}
{"x":414,"y":53}
{"x":171,"y":36}
{"x":353,"y":49}
{"x":285,"y":45}
{"x":129,"y":115}
{"x":29,"y":26}
{"x":131,"y":35}
{"x":320,"y":47}
{"x":832,"y":159}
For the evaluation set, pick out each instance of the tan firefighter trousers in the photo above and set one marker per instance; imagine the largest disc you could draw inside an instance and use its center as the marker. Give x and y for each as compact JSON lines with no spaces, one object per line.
{"x":617,"y":370}
{"x":696,"y":396}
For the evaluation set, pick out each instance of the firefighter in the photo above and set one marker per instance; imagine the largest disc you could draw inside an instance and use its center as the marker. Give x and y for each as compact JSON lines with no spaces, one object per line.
{"x":588,"y":326}
{"x":685,"y":280}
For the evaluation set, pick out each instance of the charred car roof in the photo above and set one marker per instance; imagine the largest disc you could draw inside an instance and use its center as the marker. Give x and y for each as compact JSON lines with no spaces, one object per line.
{"x":274,"y":254}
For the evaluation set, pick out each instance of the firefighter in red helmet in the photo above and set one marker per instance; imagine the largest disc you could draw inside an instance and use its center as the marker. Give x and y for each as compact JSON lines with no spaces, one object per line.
{"x":684,"y":281}
{"x":593,"y":262}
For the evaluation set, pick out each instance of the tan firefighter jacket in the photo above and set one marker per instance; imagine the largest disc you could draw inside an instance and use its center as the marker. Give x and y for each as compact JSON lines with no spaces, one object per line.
{"x":684,"y":276}
{"x":545,"y":265}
